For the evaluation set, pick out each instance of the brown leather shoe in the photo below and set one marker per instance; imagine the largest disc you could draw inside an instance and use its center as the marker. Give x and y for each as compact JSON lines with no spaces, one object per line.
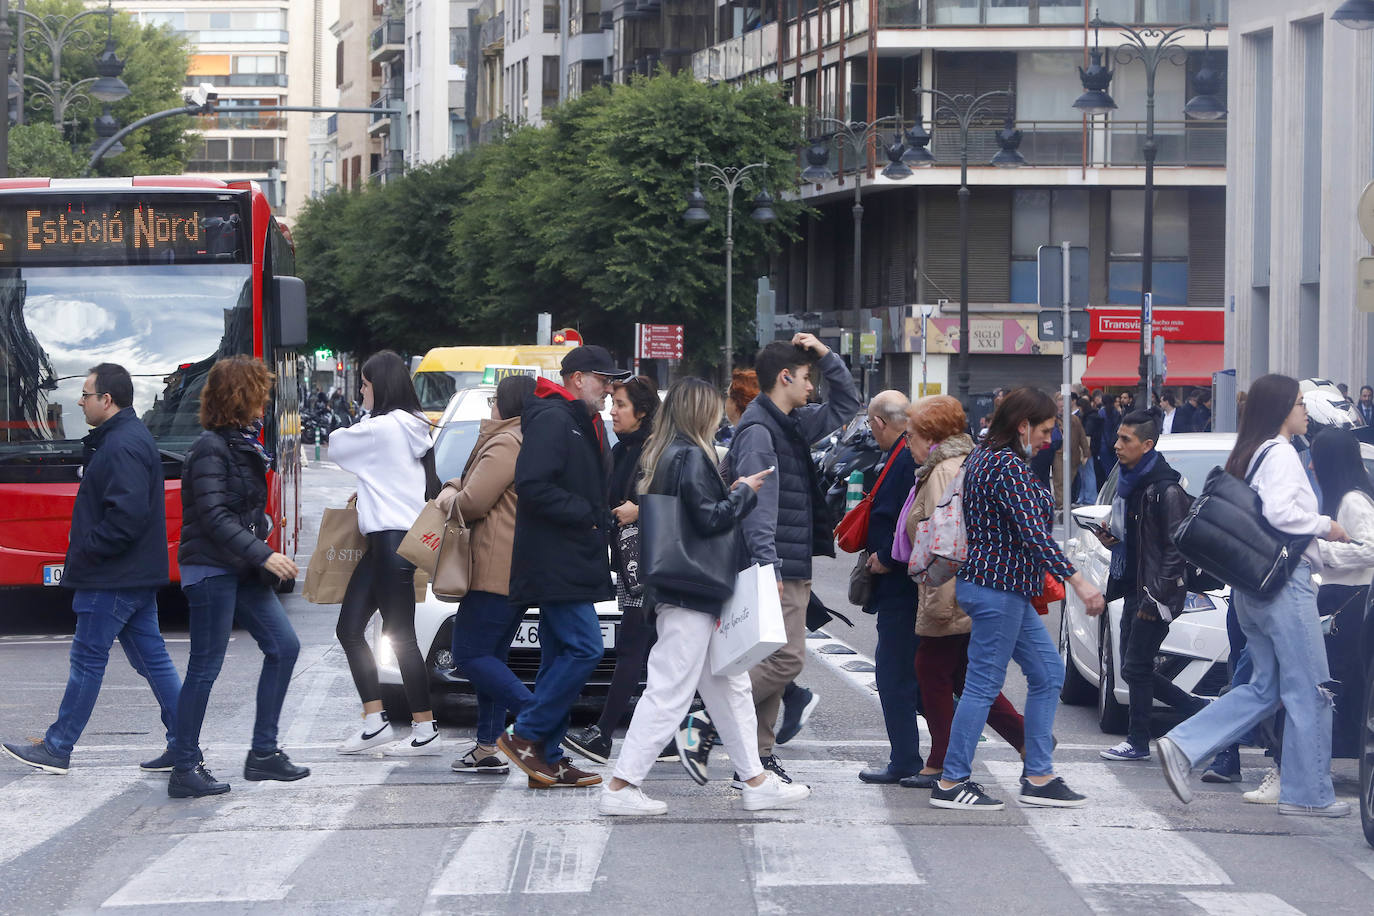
{"x":567,"y":776}
{"x":528,"y":756}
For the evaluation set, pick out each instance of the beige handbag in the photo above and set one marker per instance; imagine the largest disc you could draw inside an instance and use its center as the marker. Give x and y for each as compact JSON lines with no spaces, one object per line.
{"x":453,"y":566}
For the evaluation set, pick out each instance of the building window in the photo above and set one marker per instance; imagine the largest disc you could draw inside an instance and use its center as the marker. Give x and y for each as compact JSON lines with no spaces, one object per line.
{"x":549,"y":82}
{"x":1126,"y":239}
{"x":339,"y":64}
{"x":1040,"y":216}
{"x":550,"y":17}
{"x":458,"y":47}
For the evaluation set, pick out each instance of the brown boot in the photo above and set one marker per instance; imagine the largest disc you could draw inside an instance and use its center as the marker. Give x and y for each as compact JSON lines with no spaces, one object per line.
{"x":528,"y":756}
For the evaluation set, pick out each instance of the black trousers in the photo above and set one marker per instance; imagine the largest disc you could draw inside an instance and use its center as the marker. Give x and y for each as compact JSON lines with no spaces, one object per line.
{"x":632,"y":643}
{"x":383,"y":582}
{"x":1343,"y":658}
{"x":1140,"y":642}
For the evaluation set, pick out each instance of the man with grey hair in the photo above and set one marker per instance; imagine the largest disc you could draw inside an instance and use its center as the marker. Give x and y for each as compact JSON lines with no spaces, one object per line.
{"x":893,"y":596}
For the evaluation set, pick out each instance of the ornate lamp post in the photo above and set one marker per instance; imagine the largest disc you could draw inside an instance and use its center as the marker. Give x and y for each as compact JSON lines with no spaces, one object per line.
{"x":1151,"y":46}
{"x":966,"y":111}
{"x":728,"y":178}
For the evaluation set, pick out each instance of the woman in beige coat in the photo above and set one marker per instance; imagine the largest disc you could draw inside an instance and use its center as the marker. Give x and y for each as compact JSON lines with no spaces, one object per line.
{"x":938,"y":439}
{"x":486,"y":621}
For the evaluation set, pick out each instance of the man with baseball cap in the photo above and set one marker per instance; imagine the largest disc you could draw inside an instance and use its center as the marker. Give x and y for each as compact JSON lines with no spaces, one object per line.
{"x":560,"y":562}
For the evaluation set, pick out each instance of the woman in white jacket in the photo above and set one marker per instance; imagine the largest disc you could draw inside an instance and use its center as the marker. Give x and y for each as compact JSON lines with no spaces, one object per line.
{"x":1348,"y":496}
{"x":385,"y":451}
{"x":1282,"y":633}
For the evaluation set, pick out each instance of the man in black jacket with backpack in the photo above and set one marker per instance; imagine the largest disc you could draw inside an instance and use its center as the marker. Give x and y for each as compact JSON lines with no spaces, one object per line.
{"x":1147,"y":572}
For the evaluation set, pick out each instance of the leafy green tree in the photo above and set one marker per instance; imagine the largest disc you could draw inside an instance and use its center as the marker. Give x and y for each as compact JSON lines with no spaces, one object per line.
{"x":40,"y":149}
{"x":156,"y":60}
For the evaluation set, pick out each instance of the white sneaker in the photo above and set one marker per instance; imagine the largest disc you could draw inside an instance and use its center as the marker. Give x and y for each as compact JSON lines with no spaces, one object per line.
{"x":774,"y":793}
{"x":364,"y":740}
{"x":1268,"y":791}
{"x":417,"y":745}
{"x":629,"y":801}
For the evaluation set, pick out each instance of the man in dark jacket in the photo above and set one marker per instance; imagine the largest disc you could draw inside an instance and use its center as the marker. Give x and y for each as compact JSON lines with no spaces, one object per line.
{"x":1148,"y":573}
{"x":116,"y":561}
{"x":560,"y":561}
{"x":894,"y":594}
{"x":790,"y":524}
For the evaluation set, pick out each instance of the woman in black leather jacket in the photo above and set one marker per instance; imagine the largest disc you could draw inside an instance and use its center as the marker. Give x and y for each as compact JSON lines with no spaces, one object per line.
{"x":680,"y":461}
{"x":229,"y":573}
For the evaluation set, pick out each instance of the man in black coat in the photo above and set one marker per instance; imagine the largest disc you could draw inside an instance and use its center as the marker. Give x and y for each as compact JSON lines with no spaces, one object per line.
{"x":116,"y":561}
{"x":560,"y":561}
{"x":1148,"y":573}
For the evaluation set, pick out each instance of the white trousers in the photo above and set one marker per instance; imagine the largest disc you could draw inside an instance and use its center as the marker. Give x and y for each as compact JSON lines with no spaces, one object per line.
{"x":680,"y":666}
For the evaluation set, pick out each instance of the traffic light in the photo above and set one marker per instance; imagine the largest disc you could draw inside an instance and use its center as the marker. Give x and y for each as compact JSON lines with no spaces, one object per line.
{"x":567,"y":337}
{"x":338,"y":367}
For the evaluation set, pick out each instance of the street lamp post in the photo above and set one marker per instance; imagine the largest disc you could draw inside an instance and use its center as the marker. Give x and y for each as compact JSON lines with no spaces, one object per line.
{"x":729,"y":179}
{"x":1150,"y":46}
{"x":965,"y":110}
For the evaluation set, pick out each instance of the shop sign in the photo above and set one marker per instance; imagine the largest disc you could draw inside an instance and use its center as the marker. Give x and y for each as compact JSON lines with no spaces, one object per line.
{"x":1193,"y":325}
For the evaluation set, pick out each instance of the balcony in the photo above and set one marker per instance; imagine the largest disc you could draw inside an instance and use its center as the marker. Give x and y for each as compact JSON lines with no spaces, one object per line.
{"x":379,"y":122}
{"x":491,"y":38}
{"x":243,"y":121}
{"x":241,"y":80}
{"x":746,"y":54}
{"x":393,"y":165}
{"x":239,"y":166}
{"x":388,"y":41}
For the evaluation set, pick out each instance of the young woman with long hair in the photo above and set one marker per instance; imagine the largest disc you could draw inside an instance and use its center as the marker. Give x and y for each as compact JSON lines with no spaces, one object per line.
{"x":1283,"y":635}
{"x":486,"y":621}
{"x":1348,"y":497}
{"x":1008,"y":516}
{"x":386,"y":451}
{"x":228,"y":573}
{"x":679,"y":460}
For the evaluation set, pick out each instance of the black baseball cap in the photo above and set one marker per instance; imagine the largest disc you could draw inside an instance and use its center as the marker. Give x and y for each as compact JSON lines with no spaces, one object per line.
{"x":591,"y":358}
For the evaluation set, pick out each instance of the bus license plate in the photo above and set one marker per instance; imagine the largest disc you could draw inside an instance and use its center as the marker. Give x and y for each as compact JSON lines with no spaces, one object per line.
{"x":52,"y":574}
{"x":528,"y":635}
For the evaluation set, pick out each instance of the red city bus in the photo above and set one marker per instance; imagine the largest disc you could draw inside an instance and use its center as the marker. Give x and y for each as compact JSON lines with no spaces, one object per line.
{"x":163,"y":276}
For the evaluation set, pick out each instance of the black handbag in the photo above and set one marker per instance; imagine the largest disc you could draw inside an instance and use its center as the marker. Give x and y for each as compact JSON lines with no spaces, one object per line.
{"x":675,"y":557}
{"x":1225,"y":535}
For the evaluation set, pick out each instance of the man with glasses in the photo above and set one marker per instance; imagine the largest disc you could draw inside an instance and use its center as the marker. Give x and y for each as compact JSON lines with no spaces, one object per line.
{"x":116,"y":561}
{"x":561,"y":562}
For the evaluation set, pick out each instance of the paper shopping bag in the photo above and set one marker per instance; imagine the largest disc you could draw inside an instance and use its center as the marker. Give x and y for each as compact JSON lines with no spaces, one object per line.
{"x":421,"y":543}
{"x":750,"y":627}
{"x":338,"y":551}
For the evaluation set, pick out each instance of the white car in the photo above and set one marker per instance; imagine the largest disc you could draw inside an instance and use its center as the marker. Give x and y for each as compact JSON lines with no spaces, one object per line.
{"x":1195,"y":652}
{"x":453,"y":442}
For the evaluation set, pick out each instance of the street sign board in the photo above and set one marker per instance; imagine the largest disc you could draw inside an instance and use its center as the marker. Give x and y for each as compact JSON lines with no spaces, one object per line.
{"x":1050,"y":324}
{"x":1051,"y":268}
{"x":660,"y":341}
{"x":868,"y":344}
{"x":1159,"y":362}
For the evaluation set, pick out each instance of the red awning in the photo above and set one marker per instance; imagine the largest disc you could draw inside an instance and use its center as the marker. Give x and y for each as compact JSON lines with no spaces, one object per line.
{"x":1116,"y":363}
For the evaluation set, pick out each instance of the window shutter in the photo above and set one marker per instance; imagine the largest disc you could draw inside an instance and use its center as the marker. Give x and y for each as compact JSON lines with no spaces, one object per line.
{"x":989,"y":245}
{"x":1207,"y":246}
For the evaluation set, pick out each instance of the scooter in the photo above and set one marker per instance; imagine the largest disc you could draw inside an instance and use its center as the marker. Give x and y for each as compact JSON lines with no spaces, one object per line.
{"x":855,"y":449}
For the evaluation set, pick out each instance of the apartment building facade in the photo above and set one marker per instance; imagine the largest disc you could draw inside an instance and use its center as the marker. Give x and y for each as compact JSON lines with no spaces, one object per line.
{"x":1300,"y":157}
{"x":1083,"y":181}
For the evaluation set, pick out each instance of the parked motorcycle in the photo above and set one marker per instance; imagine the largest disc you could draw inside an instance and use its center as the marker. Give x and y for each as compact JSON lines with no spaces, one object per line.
{"x":854,"y":449}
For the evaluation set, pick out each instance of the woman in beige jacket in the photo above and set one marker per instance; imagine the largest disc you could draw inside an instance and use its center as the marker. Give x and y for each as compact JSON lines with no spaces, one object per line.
{"x":486,"y":621}
{"x":938,"y":438}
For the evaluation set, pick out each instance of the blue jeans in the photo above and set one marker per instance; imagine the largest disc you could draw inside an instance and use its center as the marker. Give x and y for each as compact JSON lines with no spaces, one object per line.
{"x":1284,"y":641}
{"x":1087,"y":483}
{"x":215,"y":604}
{"x":570,"y":647}
{"x":102,"y":616}
{"x":898,"y":692}
{"x":1005,"y":627}
{"x":482,"y":634}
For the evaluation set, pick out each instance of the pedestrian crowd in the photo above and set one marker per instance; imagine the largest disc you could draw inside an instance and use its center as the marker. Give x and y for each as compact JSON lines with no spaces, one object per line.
{"x":553,"y":510}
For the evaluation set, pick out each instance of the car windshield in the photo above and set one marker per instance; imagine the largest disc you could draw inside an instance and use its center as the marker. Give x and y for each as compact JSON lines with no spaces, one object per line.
{"x":437,"y":388}
{"x":166,"y":324}
{"x":1193,"y":465}
{"x":453,"y":446}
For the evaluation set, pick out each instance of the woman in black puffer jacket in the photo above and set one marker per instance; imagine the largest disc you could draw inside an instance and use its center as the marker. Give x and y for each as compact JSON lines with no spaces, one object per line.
{"x":229,"y":572}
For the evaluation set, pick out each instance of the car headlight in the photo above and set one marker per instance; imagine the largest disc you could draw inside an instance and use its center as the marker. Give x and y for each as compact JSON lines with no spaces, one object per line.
{"x":1198,"y":602}
{"x":381,"y":646}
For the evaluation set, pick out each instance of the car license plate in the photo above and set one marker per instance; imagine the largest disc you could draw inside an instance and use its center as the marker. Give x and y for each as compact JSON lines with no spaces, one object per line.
{"x":52,"y":574}
{"x":528,"y":635}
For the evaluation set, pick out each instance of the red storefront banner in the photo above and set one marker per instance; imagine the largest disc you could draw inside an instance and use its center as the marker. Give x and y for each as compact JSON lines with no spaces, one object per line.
{"x":1197,"y":325}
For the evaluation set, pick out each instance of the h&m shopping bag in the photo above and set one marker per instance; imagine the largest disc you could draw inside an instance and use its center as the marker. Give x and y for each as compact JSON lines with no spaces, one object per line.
{"x":750,"y":627}
{"x":421,"y":543}
{"x":338,"y":551}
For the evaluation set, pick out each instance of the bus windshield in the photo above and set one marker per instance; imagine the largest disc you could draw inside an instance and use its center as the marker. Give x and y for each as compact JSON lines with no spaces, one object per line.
{"x":165,"y":323}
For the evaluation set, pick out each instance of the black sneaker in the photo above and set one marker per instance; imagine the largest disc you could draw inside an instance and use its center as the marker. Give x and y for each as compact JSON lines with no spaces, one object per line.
{"x":196,"y":783}
{"x":471,"y":762}
{"x":1053,"y":794}
{"x":39,"y":757}
{"x":275,"y":765}
{"x":162,"y":763}
{"x":590,"y":743}
{"x":774,"y":765}
{"x":967,"y":795}
{"x":798,"y":704}
{"x":695,"y":738}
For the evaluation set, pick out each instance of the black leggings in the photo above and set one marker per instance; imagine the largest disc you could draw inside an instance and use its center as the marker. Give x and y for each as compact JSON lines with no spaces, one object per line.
{"x":384,"y":582}
{"x":632,"y":644}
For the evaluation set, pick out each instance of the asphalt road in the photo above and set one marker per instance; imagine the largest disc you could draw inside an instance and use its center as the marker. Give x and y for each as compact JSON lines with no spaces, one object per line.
{"x":379,"y":835}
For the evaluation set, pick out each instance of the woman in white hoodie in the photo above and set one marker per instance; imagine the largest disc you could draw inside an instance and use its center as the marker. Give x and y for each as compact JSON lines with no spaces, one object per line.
{"x":1347,"y":496}
{"x":386,"y":451}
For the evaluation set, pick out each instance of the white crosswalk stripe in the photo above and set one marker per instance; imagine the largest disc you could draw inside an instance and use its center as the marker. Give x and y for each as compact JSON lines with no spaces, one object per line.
{"x":533,"y":859}
{"x":38,"y":806}
{"x":1239,"y":903}
{"x":815,"y":854}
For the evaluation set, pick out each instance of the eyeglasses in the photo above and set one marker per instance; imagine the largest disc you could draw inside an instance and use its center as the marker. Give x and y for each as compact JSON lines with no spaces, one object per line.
{"x":91,"y":394}
{"x":491,"y":401}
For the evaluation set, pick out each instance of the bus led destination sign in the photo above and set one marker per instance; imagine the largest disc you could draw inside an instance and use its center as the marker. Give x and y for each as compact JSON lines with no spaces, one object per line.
{"x":120,"y":229}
